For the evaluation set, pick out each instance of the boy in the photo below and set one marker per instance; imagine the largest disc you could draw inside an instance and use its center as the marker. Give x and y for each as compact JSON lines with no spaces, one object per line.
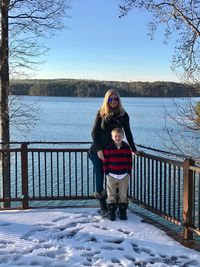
{"x":117,"y":165}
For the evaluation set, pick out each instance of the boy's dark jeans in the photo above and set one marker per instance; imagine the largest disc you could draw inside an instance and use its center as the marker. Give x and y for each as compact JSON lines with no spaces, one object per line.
{"x":98,"y":168}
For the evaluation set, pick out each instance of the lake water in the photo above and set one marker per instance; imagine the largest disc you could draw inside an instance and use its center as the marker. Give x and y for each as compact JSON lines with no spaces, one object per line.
{"x":71,"y":119}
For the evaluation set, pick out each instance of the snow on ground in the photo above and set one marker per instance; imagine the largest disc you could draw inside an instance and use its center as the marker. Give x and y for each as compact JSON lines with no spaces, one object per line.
{"x":80,"y":237}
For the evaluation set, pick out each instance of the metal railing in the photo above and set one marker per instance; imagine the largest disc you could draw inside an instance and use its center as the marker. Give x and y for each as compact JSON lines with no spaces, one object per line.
{"x":37,"y":174}
{"x":169,"y":188}
{"x":163,"y":185}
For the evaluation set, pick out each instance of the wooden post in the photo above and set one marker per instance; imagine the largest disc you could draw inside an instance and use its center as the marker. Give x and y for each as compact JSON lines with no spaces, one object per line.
{"x":188,"y":198}
{"x":24,"y":166}
{"x":5,"y":165}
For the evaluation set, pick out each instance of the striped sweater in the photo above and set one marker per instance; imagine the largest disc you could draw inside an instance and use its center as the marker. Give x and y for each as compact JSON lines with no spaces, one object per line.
{"x":117,"y":161}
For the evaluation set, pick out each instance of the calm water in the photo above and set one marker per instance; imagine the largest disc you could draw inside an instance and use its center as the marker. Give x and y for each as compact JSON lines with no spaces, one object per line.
{"x":71,"y":119}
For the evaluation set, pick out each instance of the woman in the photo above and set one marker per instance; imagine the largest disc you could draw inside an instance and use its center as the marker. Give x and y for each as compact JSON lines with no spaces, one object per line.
{"x":110,"y":116}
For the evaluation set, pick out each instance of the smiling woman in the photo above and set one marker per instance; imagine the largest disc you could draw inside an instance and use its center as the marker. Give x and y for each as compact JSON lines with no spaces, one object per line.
{"x":111,"y":115}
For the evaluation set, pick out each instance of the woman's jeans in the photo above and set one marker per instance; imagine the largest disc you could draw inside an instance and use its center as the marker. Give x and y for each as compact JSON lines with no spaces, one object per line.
{"x":98,"y":168}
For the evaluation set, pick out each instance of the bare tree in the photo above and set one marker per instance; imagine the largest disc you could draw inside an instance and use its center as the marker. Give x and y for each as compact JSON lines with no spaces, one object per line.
{"x":23,"y":115}
{"x":30,"y":23}
{"x":24,"y":25}
{"x":185,"y":137}
{"x":183,"y":18}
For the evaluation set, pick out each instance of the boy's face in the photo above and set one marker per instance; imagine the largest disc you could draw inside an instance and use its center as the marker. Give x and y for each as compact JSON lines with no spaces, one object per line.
{"x":117,"y":138}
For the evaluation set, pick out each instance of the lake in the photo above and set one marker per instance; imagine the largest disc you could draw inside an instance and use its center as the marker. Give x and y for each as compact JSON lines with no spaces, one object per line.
{"x":71,"y":119}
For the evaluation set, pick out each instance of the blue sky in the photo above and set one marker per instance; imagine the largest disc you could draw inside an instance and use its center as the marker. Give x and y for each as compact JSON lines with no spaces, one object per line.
{"x":99,"y":45}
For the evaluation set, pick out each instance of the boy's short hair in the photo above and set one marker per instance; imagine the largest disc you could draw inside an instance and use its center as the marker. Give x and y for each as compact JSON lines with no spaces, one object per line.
{"x":118,"y":130}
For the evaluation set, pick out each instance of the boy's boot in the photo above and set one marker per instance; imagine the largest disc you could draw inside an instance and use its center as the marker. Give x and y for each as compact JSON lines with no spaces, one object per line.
{"x":122,"y":211}
{"x":111,"y":211}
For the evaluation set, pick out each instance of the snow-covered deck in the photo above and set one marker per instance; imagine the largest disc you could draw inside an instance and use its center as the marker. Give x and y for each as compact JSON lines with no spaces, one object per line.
{"x":80,"y":237}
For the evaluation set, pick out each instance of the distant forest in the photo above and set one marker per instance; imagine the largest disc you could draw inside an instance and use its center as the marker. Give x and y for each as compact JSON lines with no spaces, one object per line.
{"x":92,"y":88}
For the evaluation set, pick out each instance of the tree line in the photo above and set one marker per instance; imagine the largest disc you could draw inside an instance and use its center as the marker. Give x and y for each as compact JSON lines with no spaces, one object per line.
{"x":92,"y":88}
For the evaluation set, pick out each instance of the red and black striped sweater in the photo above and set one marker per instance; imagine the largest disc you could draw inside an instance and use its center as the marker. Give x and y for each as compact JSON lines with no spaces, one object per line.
{"x":117,"y":160}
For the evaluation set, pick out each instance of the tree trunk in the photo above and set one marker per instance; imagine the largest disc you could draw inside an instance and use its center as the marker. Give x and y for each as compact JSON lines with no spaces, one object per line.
{"x":4,"y":93}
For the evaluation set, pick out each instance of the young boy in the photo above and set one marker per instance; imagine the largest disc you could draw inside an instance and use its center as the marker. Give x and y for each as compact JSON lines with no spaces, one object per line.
{"x":117,"y":166}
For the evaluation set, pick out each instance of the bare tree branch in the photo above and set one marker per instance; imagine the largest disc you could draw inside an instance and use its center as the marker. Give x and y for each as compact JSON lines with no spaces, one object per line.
{"x":24,"y":26}
{"x":182,"y":17}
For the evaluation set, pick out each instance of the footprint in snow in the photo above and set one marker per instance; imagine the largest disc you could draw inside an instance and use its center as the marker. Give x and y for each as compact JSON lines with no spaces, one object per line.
{"x":60,"y":218}
{"x":130,"y":258}
{"x":5,"y":224}
{"x":32,"y":232}
{"x":64,"y":227}
{"x":4,"y":260}
{"x":102,"y":227}
{"x":107,"y":248}
{"x":6,"y":242}
{"x":115,"y":241}
{"x":124,"y":231}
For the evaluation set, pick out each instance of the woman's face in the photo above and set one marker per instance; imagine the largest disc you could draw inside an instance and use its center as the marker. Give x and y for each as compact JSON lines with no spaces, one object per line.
{"x":113,"y":101}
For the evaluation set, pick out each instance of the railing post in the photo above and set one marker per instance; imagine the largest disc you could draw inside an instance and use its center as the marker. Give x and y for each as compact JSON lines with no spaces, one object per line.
{"x":5,"y":165}
{"x":24,"y":166}
{"x":188,"y":198}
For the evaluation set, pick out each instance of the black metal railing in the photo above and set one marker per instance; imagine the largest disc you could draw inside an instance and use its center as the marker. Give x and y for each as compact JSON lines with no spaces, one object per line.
{"x":62,"y":171}
{"x":157,"y":183}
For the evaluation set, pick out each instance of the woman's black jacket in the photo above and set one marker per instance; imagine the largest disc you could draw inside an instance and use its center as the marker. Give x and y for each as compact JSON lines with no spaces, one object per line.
{"x":101,"y":132}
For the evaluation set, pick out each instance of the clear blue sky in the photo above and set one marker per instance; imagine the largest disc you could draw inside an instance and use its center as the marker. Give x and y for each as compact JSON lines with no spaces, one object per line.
{"x":99,"y":45}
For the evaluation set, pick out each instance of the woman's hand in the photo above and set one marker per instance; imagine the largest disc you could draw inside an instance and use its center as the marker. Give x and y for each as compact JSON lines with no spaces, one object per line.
{"x":137,"y":153}
{"x":134,"y":153}
{"x":100,"y":154}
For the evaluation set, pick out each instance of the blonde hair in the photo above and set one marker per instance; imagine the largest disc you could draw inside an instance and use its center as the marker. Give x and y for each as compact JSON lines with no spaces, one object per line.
{"x":117,"y":130}
{"x":106,"y":110}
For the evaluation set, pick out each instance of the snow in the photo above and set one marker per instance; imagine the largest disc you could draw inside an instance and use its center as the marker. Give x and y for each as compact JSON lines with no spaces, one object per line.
{"x":81,"y":237}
